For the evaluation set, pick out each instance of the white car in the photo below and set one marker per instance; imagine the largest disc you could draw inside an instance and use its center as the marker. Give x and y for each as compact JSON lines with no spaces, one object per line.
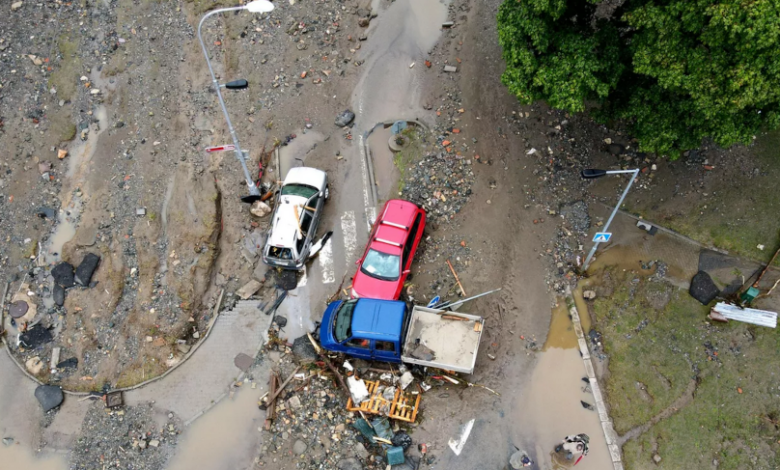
{"x":299,"y":206}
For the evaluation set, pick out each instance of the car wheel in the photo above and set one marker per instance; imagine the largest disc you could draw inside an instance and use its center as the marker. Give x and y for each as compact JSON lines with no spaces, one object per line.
{"x":327,"y":192}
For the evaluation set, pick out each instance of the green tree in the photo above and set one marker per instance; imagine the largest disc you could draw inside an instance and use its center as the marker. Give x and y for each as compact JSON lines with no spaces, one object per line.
{"x":675,"y":71}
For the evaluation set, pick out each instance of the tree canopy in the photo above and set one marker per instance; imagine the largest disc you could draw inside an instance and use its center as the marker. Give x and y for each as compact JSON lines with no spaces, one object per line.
{"x":676,"y":71}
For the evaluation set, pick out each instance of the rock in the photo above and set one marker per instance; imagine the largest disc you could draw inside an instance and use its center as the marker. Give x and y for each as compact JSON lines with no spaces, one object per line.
{"x":142,"y":444}
{"x":7,"y":441}
{"x":183,"y":348}
{"x":345,"y":118}
{"x":656,"y":458}
{"x":364,"y":22}
{"x":349,"y":464}
{"x":294,"y":402}
{"x":360,"y":451}
{"x":35,"y":336}
{"x":260,"y":209}
{"x":280,"y":320}
{"x":34,"y":365}
{"x":62,"y":153}
{"x":299,"y":447}
{"x":196,"y":335}
{"x":49,"y":396}
{"x":703,"y":288}
{"x":154,"y":443}
{"x":87,"y":267}
{"x":59,"y":295}
{"x":248,"y":289}
{"x":71,"y":363}
{"x":63,"y":275}
{"x":589,"y":294}
{"x":303,"y":350}
{"x":450,"y":69}
{"x":16,"y":6}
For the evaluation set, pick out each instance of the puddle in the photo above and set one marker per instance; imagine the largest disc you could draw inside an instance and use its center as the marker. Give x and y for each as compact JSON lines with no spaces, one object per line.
{"x":222,"y":438}
{"x":582,"y":305}
{"x":552,"y":410}
{"x":389,"y":88}
{"x":384,"y":167}
{"x":294,"y":154}
{"x":561,"y":333}
{"x":17,"y":457}
{"x":79,"y":161}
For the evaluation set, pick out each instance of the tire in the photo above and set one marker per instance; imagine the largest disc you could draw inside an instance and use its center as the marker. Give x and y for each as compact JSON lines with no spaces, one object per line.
{"x":327,"y":192}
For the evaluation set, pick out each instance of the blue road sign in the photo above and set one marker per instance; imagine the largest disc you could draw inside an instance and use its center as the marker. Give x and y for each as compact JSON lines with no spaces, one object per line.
{"x":434,"y":301}
{"x":602,"y":237}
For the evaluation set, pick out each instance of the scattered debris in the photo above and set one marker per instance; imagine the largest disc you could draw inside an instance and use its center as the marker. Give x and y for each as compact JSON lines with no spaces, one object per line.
{"x":345,"y":118}
{"x":747,"y":315}
{"x":703,"y":288}
{"x":87,"y":267}
{"x":49,"y":396}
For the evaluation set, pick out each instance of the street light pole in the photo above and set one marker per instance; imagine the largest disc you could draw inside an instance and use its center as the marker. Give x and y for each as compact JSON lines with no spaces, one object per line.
{"x":257,"y":6}
{"x":597,"y":174}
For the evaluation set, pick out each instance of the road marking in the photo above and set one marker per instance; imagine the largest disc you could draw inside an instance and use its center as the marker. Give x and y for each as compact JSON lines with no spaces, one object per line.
{"x":304,"y":278}
{"x":349,"y":231}
{"x":326,"y":261}
{"x":457,"y":444}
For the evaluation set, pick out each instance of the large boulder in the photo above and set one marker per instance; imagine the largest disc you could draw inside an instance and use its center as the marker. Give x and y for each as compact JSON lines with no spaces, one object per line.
{"x":87,"y":267}
{"x":49,"y":396}
{"x":345,"y":118}
{"x":63,"y":275}
{"x":59,"y":295}
{"x":703,"y":288}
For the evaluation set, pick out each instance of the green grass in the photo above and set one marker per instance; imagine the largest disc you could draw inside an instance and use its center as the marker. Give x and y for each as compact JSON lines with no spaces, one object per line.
{"x":407,"y":156}
{"x":740,"y":212}
{"x":720,"y":423}
{"x":66,"y":74}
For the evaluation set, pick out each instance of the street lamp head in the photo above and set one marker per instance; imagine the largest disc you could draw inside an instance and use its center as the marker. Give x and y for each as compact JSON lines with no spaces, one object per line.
{"x":260,"y":6}
{"x":591,"y":173}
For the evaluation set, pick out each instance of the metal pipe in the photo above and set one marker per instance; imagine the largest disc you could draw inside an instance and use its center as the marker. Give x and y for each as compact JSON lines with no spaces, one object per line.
{"x":253,"y":191}
{"x":634,"y":174}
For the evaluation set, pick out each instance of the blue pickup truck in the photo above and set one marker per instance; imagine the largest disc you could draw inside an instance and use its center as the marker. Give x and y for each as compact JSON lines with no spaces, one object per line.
{"x":391,"y":331}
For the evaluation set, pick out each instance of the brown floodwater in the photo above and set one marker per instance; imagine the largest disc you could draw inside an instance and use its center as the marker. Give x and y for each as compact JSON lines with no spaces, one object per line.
{"x":18,"y":457}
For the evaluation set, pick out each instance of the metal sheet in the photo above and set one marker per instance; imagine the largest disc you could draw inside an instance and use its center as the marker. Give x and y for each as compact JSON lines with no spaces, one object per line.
{"x":747,"y":315}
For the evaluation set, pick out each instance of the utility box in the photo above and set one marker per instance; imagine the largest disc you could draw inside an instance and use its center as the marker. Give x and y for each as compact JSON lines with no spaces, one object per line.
{"x":749,"y":295}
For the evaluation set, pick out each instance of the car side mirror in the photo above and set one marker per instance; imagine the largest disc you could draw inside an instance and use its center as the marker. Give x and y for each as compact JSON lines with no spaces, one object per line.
{"x":407,"y":271}
{"x":321,"y":194}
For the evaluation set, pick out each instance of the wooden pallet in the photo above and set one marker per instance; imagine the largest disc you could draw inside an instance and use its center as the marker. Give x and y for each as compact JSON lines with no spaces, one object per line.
{"x":404,"y":406}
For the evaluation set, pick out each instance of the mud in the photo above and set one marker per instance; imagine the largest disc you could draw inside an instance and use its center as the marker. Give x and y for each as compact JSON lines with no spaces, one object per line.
{"x":223,"y":439}
{"x":551,"y":409}
{"x":561,"y":334}
{"x":18,"y":457}
{"x":385,"y":170}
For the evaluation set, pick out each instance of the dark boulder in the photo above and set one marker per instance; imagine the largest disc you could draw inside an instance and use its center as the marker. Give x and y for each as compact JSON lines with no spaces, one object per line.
{"x":70,"y":363}
{"x":703,"y":288}
{"x":35,"y":336}
{"x":63,"y":275}
{"x":345,"y":118}
{"x":87,"y":267}
{"x":49,"y":396}
{"x":59,"y":295}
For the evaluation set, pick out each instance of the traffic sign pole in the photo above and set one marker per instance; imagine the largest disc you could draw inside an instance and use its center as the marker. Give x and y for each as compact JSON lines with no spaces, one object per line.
{"x":634,"y":174}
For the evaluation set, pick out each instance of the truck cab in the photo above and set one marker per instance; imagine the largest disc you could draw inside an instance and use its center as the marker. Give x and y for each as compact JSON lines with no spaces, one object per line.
{"x":365,"y":328}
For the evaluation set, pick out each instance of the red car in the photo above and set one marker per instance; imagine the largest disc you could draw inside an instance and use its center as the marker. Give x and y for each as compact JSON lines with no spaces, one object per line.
{"x":387,"y":261}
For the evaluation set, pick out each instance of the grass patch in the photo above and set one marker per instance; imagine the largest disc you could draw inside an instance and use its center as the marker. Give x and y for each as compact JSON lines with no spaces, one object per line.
{"x":65,"y":77}
{"x":407,"y":156}
{"x":662,"y":350}
{"x":61,"y":125}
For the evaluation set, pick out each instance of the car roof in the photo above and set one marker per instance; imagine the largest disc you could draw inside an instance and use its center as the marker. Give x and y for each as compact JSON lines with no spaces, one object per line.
{"x":306,"y":176}
{"x":378,"y":319}
{"x":285,"y":227}
{"x":395,"y":221}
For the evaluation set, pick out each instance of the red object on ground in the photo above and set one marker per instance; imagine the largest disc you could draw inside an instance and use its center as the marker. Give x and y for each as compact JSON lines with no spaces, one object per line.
{"x":387,"y":260}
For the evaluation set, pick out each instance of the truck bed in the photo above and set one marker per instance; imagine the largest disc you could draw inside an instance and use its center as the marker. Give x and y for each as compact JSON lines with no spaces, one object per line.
{"x":447,"y":343}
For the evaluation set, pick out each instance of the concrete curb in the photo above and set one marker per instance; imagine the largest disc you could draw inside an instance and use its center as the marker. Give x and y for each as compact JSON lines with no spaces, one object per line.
{"x":606,"y":423}
{"x":136,"y":386}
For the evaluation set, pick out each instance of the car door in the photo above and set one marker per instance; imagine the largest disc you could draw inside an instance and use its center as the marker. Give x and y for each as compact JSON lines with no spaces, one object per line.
{"x":385,"y":351}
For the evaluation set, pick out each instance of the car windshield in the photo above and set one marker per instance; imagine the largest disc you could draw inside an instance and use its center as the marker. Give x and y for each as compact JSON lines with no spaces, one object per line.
{"x":298,"y":190}
{"x":382,"y":266}
{"x":281,"y":253}
{"x":342,"y":327}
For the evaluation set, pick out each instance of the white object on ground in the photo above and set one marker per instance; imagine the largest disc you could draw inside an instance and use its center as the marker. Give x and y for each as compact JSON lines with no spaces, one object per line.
{"x":457,"y":444}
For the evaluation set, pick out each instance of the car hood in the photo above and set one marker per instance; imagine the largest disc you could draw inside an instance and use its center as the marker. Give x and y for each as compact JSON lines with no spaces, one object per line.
{"x":307,"y":176}
{"x":284,"y":230}
{"x":372,"y":288}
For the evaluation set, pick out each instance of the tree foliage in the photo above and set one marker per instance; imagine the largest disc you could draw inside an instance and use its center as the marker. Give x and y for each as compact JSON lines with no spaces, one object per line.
{"x":675,"y":71}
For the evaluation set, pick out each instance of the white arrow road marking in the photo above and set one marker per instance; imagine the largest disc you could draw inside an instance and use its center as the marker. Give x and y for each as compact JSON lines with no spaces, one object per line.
{"x":457,"y":444}
{"x":349,"y":231}
{"x":326,"y":262}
